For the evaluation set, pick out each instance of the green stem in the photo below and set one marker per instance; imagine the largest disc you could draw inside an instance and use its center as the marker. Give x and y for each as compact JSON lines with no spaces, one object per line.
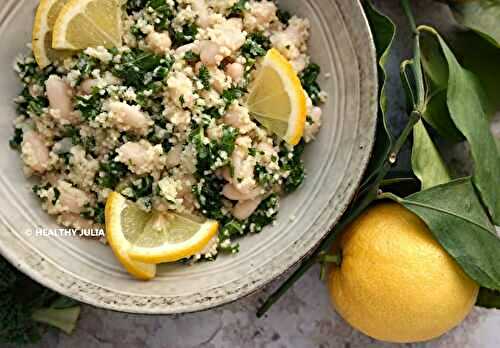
{"x":355,"y":209}
{"x":417,"y":63}
{"x":387,"y":182}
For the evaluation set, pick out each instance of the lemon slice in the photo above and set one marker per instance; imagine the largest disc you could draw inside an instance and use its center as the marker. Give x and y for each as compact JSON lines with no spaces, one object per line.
{"x":88,"y":23}
{"x":277,"y":99}
{"x":41,"y":41}
{"x":119,"y":244}
{"x":155,"y":237}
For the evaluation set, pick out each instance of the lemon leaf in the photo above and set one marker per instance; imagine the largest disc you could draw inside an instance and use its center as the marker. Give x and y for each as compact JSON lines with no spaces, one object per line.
{"x":456,"y":218}
{"x":488,"y":298}
{"x":465,"y":100}
{"x":384,"y":31}
{"x":482,"y":16}
{"x":426,"y":161}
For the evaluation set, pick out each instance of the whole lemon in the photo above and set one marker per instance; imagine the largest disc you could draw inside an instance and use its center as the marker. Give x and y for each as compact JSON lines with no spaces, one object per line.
{"x":395,"y":282}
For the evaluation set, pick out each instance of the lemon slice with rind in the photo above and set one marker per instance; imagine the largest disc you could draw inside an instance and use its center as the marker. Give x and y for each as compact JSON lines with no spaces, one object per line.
{"x":45,"y":18}
{"x":277,"y":99}
{"x":88,"y":23}
{"x":155,"y":237}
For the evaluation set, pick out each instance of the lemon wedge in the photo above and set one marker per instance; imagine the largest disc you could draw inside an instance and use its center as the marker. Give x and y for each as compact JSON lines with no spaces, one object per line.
{"x":156,"y":237}
{"x":277,"y":99}
{"x":41,"y":41}
{"x":88,"y":23}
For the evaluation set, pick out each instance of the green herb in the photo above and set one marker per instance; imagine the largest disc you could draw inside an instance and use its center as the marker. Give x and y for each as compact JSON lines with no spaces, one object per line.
{"x":57,"y":194}
{"x":308,"y":79}
{"x":265,"y":214}
{"x":25,"y":305}
{"x":191,"y":58}
{"x":143,"y":187}
{"x":164,"y":13}
{"x":283,"y":16}
{"x":111,"y":173}
{"x":208,"y":195}
{"x":256,"y":45}
{"x":294,"y":165}
{"x":94,"y":213}
{"x":17,"y":139}
{"x":137,"y":64}
{"x":208,"y":154}
{"x":85,"y":64}
{"x":31,"y":106}
{"x":238,"y":8}
{"x":204,"y":76}
{"x":90,"y":106}
{"x":232,"y":94}
{"x":184,"y":36}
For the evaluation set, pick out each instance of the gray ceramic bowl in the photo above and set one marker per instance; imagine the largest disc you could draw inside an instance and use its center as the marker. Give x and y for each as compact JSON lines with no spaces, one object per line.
{"x":87,"y":271}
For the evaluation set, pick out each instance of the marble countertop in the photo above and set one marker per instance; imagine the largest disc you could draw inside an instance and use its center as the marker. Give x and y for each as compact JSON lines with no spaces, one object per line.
{"x":303,"y":318}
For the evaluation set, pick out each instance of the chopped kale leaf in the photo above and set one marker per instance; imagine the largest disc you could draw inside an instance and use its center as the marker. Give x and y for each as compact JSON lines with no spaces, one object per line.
{"x":294,"y":165}
{"x":191,"y":57}
{"x":184,"y":36}
{"x":111,"y":174}
{"x":283,"y":16}
{"x":308,"y":78}
{"x":256,"y":45}
{"x":238,"y":8}
{"x":208,"y":195}
{"x":204,"y":76}
{"x":17,"y":139}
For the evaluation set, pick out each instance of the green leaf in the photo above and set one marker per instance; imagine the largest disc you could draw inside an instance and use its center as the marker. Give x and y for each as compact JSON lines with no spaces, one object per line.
{"x":488,"y":298}
{"x":426,"y":161}
{"x":436,"y":72}
{"x":438,"y":116}
{"x":482,"y":16}
{"x":458,"y":221}
{"x":383,"y":31}
{"x":464,"y":101}
{"x":63,"y":319}
{"x":471,"y":50}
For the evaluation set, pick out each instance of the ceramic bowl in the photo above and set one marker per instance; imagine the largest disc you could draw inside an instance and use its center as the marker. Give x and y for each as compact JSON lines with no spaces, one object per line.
{"x":86,"y":270}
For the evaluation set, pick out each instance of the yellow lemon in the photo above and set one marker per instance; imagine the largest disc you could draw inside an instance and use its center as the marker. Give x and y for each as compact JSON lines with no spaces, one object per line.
{"x":141,"y":238}
{"x":41,"y":42}
{"x":277,"y":99}
{"x":88,"y":23}
{"x":395,"y":282}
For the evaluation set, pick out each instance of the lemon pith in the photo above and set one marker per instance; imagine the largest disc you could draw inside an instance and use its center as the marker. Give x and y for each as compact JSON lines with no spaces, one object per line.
{"x":100,"y":18}
{"x":396,"y":283}
{"x":277,"y":99}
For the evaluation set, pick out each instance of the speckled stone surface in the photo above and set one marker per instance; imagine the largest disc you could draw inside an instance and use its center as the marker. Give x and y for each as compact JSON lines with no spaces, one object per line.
{"x":303,"y":318}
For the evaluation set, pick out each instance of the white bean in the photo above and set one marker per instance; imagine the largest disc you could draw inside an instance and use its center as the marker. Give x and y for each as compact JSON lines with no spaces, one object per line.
{"x":244,"y":209}
{"x":70,"y":198}
{"x":236,"y":71}
{"x":200,"y":7}
{"x":210,"y":53}
{"x":130,"y":116}
{"x":59,"y":94}
{"x":34,"y":151}
{"x":231,"y":192}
